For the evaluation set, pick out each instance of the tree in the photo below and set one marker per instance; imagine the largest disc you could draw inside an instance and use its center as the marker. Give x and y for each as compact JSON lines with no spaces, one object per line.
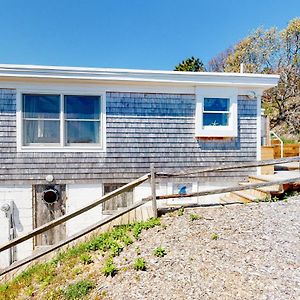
{"x":217,"y":63}
{"x":271,"y":51}
{"x":191,"y":64}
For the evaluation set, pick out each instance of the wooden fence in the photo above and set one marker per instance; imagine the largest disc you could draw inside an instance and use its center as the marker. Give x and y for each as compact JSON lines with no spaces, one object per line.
{"x":152,"y":176}
{"x":289,"y":150}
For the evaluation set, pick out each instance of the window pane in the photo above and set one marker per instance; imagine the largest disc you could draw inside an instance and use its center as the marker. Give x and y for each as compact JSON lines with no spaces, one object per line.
{"x":216,"y":104}
{"x":41,"y":106}
{"x":41,"y":131}
{"x":215,"y":119}
{"x":82,"y":107}
{"x":82,"y":132}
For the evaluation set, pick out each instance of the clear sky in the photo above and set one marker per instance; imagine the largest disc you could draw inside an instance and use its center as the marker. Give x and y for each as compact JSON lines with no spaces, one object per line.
{"x":139,"y":34}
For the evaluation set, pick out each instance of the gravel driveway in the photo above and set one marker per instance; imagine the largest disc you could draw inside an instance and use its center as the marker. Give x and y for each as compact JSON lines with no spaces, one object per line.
{"x":232,"y":252}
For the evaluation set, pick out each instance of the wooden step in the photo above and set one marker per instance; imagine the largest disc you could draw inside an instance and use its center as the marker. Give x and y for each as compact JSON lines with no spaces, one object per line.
{"x":244,"y":196}
{"x":258,"y":179}
{"x":239,"y":197}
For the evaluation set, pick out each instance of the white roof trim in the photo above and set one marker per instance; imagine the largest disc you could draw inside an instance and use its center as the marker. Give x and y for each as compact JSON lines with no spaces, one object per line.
{"x":10,"y":72}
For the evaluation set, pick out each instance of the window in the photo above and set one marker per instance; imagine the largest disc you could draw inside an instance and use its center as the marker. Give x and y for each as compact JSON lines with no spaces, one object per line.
{"x":117,"y":202}
{"x":216,"y":114}
{"x":61,"y":121}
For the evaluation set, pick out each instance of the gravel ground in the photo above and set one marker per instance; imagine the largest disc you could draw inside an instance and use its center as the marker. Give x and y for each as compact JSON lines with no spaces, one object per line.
{"x":256,"y":256}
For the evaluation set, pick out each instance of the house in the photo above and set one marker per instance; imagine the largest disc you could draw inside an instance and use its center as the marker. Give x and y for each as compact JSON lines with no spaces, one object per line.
{"x":68,"y":135}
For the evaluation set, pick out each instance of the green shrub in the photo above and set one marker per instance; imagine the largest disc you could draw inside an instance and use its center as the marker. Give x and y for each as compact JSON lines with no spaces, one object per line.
{"x":78,"y":290}
{"x":160,"y":252}
{"x":139,"y":264}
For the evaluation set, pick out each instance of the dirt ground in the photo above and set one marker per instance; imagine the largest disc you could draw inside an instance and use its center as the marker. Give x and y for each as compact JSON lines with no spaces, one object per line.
{"x":232,"y":252}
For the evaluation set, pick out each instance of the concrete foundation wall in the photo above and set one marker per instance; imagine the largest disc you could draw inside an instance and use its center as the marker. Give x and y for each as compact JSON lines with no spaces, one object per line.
{"x":21,"y":196}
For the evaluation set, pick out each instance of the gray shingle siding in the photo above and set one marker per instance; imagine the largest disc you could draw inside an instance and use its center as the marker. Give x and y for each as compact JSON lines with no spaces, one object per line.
{"x":141,"y":128}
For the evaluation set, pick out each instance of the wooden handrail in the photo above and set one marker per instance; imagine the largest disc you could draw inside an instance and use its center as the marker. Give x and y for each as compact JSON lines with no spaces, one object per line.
{"x":228,"y":189}
{"x":70,"y":239}
{"x":71,"y":215}
{"x":231,"y":167}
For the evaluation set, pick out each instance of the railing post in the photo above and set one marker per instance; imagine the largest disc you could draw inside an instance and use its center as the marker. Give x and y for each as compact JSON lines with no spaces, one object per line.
{"x":153,"y":190}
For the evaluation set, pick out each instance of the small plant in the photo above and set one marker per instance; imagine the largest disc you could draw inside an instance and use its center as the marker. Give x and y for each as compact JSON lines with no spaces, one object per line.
{"x":214,"y":236}
{"x":160,"y":252}
{"x":78,"y":290}
{"x":86,"y":258}
{"x":194,"y":217}
{"x":180,"y":211}
{"x":109,"y":268}
{"x":139,"y":264}
{"x":76,"y":271}
{"x":127,"y":240}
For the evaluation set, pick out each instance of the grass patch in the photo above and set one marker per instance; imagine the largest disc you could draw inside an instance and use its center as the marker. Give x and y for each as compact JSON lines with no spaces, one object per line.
{"x":78,"y":290}
{"x":194,"y":217}
{"x":109,"y":268}
{"x":66,"y":264}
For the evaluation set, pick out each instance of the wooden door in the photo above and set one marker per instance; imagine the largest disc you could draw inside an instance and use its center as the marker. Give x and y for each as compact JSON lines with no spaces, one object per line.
{"x":45,"y":212}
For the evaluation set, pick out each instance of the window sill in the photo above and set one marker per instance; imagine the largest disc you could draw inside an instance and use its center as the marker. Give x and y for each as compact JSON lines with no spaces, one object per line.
{"x":61,"y":149}
{"x":212,"y":131}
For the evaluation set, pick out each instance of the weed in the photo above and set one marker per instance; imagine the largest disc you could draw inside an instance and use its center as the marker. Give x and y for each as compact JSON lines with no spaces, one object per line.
{"x":140,"y":264}
{"x":78,"y":290}
{"x":194,"y":217}
{"x":54,"y":294}
{"x":181,"y":211}
{"x":214,"y":236}
{"x":160,"y":252}
{"x":76,"y":271}
{"x":29,"y":291}
{"x":86,"y":258}
{"x":65,"y":263}
{"x":127,"y":240}
{"x":109,"y":268}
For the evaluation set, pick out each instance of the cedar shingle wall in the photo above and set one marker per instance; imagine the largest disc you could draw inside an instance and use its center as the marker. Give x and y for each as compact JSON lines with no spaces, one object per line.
{"x":141,"y":128}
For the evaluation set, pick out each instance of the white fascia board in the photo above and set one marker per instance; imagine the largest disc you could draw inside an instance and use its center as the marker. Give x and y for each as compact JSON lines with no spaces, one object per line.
{"x":262,"y":81}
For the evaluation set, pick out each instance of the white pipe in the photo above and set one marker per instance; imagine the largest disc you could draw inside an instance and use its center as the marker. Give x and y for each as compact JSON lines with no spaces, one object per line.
{"x":280,"y":140}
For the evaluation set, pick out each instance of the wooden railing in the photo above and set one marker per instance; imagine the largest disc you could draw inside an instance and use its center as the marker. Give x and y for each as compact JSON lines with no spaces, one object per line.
{"x":152,"y":176}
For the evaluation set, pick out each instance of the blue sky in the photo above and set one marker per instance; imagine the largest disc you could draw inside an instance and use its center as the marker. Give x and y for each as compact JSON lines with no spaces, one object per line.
{"x":140,"y":34}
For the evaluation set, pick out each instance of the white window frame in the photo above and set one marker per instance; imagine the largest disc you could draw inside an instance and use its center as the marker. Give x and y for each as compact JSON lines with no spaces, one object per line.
{"x":62,"y":147}
{"x":230,"y":130}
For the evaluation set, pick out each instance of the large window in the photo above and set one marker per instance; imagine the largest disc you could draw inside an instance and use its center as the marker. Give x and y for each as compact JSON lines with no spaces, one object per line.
{"x":216,"y":113}
{"x":61,"y":121}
